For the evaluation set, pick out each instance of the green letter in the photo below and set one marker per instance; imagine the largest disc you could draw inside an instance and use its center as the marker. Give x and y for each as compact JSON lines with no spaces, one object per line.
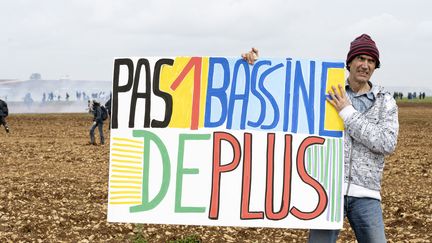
{"x":146,"y":203}
{"x":181,"y":171}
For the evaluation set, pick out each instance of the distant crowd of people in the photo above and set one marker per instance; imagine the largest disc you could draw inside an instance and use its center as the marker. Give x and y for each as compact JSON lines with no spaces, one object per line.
{"x":410,"y":96}
{"x":100,"y":113}
{"x":52,"y":97}
{"x":55,"y":96}
{"x":79,"y":95}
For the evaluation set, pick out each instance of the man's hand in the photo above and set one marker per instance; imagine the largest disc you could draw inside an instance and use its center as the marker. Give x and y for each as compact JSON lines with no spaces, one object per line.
{"x":251,"y":56}
{"x":338,"y":99}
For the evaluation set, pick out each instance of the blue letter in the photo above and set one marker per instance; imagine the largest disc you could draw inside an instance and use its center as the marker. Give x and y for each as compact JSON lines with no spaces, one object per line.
{"x":257,"y":94}
{"x":308,"y":101}
{"x":287,"y":95}
{"x":218,"y":93}
{"x":325,"y":67}
{"x":243,"y":97}
{"x":269,"y":96}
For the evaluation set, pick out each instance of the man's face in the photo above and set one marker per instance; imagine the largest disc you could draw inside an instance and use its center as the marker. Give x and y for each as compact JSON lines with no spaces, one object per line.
{"x":361,"y":68}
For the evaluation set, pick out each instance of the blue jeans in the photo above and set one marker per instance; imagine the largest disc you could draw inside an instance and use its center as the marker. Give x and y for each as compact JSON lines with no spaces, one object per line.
{"x":365,"y":218}
{"x":100,"y":128}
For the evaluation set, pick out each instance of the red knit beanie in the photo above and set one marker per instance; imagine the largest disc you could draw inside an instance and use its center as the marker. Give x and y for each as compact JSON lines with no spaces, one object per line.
{"x":363,"y":45}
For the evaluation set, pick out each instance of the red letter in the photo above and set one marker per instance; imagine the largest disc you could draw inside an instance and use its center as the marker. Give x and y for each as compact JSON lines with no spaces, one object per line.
{"x":245,"y":213}
{"x":286,"y":196}
{"x":218,"y":168}
{"x":322,"y":196}
{"x":195,"y":62}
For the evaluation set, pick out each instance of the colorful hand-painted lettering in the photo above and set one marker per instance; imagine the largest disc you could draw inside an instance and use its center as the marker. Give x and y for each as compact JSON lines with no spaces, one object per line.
{"x":216,"y":141}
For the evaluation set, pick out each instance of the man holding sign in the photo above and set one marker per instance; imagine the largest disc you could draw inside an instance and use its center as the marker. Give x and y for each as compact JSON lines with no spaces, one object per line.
{"x":371,"y":123}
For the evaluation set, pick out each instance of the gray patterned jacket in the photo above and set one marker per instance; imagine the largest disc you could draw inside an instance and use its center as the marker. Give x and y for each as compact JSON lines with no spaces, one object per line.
{"x":369,"y":136}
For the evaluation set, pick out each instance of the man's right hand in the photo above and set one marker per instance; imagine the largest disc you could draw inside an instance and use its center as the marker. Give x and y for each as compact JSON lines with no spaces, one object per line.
{"x":251,"y":56}
{"x":339,"y":99}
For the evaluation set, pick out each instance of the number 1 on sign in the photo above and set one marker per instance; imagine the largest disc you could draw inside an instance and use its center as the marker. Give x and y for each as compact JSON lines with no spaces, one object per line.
{"x":195,"y":63}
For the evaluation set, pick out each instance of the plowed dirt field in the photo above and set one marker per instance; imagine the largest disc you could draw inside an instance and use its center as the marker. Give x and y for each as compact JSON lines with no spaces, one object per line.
{"x":53,"y":187}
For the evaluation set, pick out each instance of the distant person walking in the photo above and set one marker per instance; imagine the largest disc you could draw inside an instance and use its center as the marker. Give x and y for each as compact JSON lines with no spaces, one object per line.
{"x":4,"y":112}
{"x":28,"y":100}
{"x":97,"y":122}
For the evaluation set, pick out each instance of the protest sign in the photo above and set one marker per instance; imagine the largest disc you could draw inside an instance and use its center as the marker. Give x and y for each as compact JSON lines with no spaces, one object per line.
{"x":216,"y":141}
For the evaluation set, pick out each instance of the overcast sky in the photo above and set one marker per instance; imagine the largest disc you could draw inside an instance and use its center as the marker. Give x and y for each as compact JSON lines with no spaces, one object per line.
{"x":80,"y":38}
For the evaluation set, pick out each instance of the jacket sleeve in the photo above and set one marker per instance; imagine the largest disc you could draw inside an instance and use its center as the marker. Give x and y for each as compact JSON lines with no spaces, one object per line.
{"x":379,"y":136}
{"x":94,"y":112}
{"x":98,"y":117}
